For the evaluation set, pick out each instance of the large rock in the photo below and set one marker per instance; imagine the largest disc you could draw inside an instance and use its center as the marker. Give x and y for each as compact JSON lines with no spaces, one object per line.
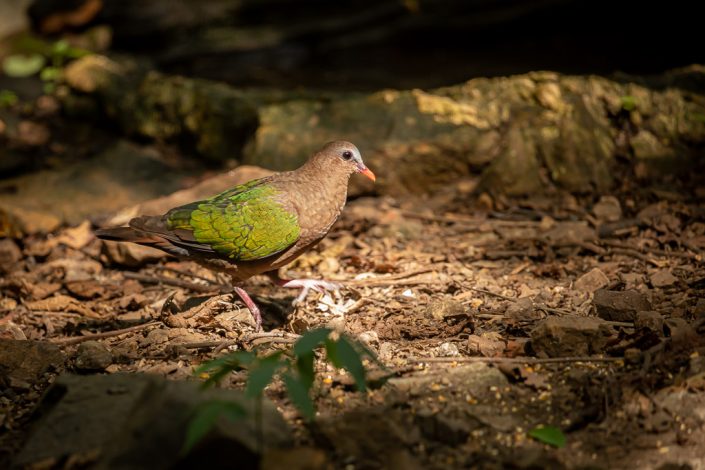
{"x":140,"y":421}
{"x":517,"y":131}
{"x":121,"y":175}
{"x":209,"y":118}
{"x":570,"y":336}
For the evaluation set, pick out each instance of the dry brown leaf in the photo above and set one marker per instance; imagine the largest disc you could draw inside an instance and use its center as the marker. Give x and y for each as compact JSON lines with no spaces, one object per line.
{"x":76,"y":237}
{"x":61,"y":303}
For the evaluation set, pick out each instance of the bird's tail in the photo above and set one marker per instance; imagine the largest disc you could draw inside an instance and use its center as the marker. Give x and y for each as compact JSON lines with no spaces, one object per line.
{"x":141,"y":237}
{"x":124,"y":234}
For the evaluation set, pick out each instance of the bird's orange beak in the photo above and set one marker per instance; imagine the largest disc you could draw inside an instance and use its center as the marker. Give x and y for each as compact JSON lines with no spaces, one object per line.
{"x":367,"y":172}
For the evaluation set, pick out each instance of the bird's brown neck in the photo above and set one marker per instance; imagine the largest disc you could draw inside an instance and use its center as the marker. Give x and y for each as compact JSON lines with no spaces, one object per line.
{"x":322,"y":187}
{"x":327,"y":175}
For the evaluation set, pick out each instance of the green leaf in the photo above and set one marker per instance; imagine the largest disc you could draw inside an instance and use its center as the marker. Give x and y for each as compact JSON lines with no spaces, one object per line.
{"x":311,"y":340}
{"x":260,"y":374}
{"x":550,"y":435}
{"x":350,"y":359}
{"x":304,"y":366}
{"x":205,"y":417}
{"x":298,"y":394}
{"x":50,"y":74}
{"x":60,"y":47}
{"x":332,"y":353}
{"x":233,"y":361}
{"x":218,"y":368}
{"x":20,"y":65}
{"x":8,"y":98}
{"x":628,"y":103}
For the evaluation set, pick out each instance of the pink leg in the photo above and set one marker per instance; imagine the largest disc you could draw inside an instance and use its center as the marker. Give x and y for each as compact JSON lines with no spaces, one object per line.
{"x":251,"y":305}
{"x":305,"y":285}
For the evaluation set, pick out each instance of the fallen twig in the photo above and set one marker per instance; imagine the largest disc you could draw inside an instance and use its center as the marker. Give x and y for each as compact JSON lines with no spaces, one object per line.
{"x":105,"y":334}
{"x":493,"y":294}
{"x":634,"y":254}
{"x":177,"y":283}
{"x":367,"y":281}
{"x":402,"y":282}
{"x":517,"y":360}
{"x":653,"y":251}
{"x":618,"y":228}
{"x":207,"y":344}
{"x":464,"y":220}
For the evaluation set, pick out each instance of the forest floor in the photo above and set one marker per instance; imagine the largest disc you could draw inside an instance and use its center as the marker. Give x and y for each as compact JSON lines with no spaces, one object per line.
{"x":495,"y":316}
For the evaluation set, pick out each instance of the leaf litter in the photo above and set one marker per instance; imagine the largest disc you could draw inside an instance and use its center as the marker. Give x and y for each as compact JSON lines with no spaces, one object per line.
{"x":490,"y":320}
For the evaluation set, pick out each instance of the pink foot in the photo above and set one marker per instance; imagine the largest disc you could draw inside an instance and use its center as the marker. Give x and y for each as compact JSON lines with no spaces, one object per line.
{"x":306,"y":285}
{"x":251,"y":305}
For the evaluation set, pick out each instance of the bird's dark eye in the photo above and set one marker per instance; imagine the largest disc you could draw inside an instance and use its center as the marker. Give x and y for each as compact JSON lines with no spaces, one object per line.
{"x":347,"y":155}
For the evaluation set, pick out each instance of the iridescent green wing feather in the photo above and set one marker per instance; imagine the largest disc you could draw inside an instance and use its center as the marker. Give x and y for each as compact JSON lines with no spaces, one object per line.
{"x":245,"y":223}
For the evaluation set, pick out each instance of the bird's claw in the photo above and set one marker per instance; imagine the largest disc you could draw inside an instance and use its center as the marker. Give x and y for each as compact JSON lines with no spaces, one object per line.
{"x":307,"y":285}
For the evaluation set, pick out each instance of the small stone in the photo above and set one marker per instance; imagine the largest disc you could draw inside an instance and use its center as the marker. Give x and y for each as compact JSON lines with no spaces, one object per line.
{"x":632,"y":280}
{"x":93,"y":356}
{"x":448,"y":350}
{"x":370,"y":338}
{"x":488,"y":347}
{"x":157,"y":336}
{"x":607,"y":209}
{"x":619,"y":305}
{"x":591,"y":281}
{"x":441,"y":309}
{"x":649,"y":320}
{"x":570,"y":336}
{"x":663,"y":278}
{"x":522,"y":310}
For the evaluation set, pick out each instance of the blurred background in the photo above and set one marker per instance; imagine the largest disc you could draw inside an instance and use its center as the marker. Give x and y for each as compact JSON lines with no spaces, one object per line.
{"x":367,"y":45}
{"x":514,"y":97}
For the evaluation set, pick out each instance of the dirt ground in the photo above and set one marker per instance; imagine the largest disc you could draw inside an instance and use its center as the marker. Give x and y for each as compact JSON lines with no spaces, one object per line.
{"x":495,"y":316}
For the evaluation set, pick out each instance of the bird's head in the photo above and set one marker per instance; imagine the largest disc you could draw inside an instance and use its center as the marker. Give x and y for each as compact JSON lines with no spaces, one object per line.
{"x":346,"y":156}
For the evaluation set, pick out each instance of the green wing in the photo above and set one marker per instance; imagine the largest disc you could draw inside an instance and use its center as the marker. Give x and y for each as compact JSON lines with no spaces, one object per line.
{"x":245,"y":223}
